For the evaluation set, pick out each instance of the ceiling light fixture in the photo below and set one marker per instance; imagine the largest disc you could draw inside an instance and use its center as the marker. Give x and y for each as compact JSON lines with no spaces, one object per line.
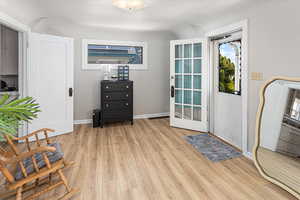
{"x":129,"y":4}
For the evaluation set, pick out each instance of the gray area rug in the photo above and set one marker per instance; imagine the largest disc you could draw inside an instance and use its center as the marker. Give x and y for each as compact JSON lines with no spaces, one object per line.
{"x":212,"y":148}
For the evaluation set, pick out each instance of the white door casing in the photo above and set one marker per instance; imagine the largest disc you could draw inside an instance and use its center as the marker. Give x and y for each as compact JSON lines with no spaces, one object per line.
{"x":190,"y":97}
{"x":50,"y":75}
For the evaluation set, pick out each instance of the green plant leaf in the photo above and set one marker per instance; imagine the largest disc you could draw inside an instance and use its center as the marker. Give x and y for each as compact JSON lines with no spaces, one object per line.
{"x":13,"y":112}
{"x":4,"y":98}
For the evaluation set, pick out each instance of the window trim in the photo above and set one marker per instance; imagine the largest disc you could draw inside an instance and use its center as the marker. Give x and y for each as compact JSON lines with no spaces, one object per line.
{"x":86,"y":42}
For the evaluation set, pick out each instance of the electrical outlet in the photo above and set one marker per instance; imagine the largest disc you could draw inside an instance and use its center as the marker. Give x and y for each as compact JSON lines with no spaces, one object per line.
{"x":258,"y":76}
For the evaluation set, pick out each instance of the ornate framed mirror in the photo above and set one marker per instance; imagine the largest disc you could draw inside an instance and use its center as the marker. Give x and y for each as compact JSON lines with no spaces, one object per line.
{"x":277,"y":147}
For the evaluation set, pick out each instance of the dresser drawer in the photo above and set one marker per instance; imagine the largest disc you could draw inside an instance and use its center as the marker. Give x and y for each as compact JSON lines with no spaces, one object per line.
{"x":116,"y":106}
{"x":116,"y":96}
{"x":117,"y":86}
{"x":116,"y":116}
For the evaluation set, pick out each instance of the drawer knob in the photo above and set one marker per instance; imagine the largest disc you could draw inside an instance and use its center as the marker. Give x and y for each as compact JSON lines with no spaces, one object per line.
{"x":107,"y":97}
{"x":127,"y":86}
{"x":106,"y":87}
{"x":126,"y":104}
{"x":107,"y":105}
{"x":127,"y":95}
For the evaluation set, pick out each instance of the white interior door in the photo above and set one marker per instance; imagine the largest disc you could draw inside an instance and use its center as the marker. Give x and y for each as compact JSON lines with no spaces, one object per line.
{"x":50,"y":82}
{"x":227,"y":90}
{"x":188,"y":81}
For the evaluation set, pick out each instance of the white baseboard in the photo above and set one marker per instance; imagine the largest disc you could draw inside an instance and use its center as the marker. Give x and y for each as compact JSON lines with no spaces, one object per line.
{"x":145,"y":116}
{"x":248,"y":155}
{"x":83,"y":121}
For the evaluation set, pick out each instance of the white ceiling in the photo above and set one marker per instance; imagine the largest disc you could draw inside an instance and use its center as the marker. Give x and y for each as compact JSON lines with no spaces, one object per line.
{"x":159,"y":15}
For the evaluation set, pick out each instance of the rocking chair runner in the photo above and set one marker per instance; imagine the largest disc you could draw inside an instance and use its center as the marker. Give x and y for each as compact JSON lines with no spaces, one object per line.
{"x":34,"y":168}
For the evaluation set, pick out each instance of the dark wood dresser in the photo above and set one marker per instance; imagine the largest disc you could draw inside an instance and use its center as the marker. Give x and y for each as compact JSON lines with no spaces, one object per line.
{"x":116,"y":101}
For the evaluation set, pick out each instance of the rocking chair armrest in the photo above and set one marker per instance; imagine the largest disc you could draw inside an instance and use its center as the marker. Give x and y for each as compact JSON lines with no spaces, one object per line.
{"x":44,"y":130}
{"x":22,"y":156}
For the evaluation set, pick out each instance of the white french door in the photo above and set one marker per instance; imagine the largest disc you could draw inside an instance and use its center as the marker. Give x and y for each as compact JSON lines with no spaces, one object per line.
{"x":188,"y":81}
{"x":50,"y":82}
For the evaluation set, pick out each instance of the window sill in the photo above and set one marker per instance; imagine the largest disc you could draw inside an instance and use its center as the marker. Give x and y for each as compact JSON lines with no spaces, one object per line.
{"x":102,"y":67}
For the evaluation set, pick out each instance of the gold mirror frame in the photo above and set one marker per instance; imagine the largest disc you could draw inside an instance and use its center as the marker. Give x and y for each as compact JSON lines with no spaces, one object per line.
{"x":257,"y":136}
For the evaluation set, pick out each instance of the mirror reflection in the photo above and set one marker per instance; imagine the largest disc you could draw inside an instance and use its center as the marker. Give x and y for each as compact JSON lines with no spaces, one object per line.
{"x":279,"y":150}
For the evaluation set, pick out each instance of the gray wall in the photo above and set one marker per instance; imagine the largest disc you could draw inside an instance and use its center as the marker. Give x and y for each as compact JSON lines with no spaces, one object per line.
{"x":151,"y":86}
{"x":274,"y":46}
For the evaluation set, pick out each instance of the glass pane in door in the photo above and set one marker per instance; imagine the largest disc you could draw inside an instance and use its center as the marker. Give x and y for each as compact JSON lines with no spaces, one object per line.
{"x":197,"y":50}
{"x":187,"y":97}
{"x":187,"y":112}
{"x":197,"y":98}
{"x":197,"y":82}
{"x":188,"y":66}
{"x":178,"y":66}
{"x":197,"y":65}
{"x":197,"y":113}
{"x":230,"y":67}
{"x":178,"y":81}
{"x":178,"y":96}
{"x":178,"y":51}
{"x":188,"y":50}
{"x":178,"y":111}
{"x":187,"y":81}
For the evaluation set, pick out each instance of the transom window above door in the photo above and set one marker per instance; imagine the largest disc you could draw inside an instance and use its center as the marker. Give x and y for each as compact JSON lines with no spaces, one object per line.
{"x":230,"y":67}
{"x":96,"y":54}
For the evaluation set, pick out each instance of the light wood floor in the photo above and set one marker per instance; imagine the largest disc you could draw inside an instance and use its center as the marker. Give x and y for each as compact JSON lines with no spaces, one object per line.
{"x":151,"y":161}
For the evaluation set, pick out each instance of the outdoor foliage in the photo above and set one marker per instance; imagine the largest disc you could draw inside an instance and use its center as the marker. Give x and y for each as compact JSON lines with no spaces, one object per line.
{"x":14,"y":111}
{"x":226,"y":75}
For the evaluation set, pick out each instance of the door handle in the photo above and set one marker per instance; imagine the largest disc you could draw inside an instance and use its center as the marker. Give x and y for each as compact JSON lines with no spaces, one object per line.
{"x":70,"y":92}
{"x":172,"y":91}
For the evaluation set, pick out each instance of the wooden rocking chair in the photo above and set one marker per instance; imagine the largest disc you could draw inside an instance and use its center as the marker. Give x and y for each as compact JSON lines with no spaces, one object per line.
{"x":35,"y":168}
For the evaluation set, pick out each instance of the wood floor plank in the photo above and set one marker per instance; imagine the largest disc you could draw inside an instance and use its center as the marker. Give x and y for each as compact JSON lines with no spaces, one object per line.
{"x":151,"y":161}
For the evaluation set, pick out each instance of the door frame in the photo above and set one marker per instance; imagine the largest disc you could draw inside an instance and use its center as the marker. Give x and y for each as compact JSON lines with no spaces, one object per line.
{"x":24,"y":32}
{"x":217,"y":95}
{"x":239,"y":26}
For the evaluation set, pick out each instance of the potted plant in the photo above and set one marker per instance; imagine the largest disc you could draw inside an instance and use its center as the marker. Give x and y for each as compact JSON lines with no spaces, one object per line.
{"x":14,"y":112}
